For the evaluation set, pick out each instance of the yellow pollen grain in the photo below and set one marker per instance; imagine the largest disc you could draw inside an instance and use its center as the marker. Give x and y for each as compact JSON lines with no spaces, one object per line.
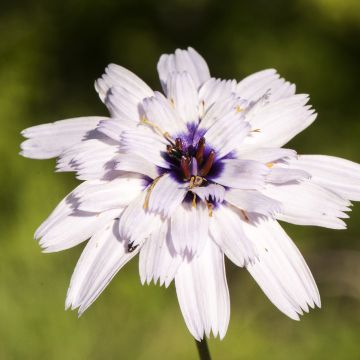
{"x":270,"y":165}
{"x":238,"y":109}
{"x":210,"y":208}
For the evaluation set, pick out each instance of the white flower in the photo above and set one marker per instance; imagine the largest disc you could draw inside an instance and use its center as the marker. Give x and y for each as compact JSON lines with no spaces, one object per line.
{"x":186,"y":177}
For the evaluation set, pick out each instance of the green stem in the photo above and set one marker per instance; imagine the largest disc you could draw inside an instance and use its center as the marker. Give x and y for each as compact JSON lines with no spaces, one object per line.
{"x":203,"y":350}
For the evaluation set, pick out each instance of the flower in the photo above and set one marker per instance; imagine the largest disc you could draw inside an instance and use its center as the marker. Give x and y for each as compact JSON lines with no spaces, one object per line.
{"x":188,"y":177}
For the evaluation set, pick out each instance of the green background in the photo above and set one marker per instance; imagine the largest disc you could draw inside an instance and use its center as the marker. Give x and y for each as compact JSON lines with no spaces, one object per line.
{"x":50,"y":54}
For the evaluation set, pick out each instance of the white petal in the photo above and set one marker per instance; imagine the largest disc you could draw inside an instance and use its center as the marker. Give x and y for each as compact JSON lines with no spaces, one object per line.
{"x":137,"y":223}
{"x":277,"y":123}
{"x":306,"y":203}
{"x":189,"y":228}
{"x":67,"y":226}
{"x":123,"y":105}
{"x":281,"y":271}
{"x":91,"y":159}
{"x":203,"y":294}
{"x":158,"y":259}
{"x":281,"y":174}
{"x":166,"y":195}
{"x":50,"y":140}
{"x":144,"y":143}
{"x":184,"y":96}
{"x":74,"y":229}
{"x":136,"y":164}
{"x":253,"y":201}
{"x":256,"y":85}
{"x":183,"y":60}
{"x":113,"y":128}
{"x":336,"y":174}
{"x":267,"y":155}
{"x":227,"y":133}
{"x":242,"y":174}
{"x":117,"y":76}
{"x":159,"y":111}
{"x":212,"y":192}
{"x":104,"y":255}
{"x":215,"y":91}
{"x":109,"y":195}
{"x":227,"y":231}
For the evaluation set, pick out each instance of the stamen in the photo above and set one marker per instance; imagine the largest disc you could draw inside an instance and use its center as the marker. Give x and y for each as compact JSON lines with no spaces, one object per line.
{"x":194,"y":201}
{"x":238,"y":109}
{"x":200,"y":151}
{"x":179,"y":144}
{"x":210,"y":208}
{"x":208,"y":163}
{"x":184,"y":163}
{"x":256,"y":130}
{"x":148,"y":193}
{"x":270,"y":165}
{"x":158,"y":129}
{"x":243,"y":212}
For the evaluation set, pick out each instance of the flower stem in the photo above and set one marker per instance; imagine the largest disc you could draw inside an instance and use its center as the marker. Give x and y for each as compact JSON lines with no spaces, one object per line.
{"x":203,"y":350}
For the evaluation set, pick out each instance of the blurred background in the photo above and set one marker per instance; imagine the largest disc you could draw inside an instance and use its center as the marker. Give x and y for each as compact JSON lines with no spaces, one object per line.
{"x":50,"y":54}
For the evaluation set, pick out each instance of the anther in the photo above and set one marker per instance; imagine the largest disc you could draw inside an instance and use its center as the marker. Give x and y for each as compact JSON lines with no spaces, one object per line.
{"x":184,"y":163}
{"x":208,"y":163}
{"x":179,"y":144}
{"x":200,"y":151}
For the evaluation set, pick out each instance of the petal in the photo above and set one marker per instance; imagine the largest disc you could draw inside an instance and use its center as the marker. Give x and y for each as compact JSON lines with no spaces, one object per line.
{"x":267,"y":155}
{"x":281,"y":174}
{"x":227,"y":231}
{"x":160,"y":111}
{"x":217,"y":109}
{"x":184,"y":96}
{"x":189,"y":228}
{"x":124,"y":105}
{"x":281,"y":271}
{"x":113,"y":128}
{"x":253,"y":201}
{"x":67,"y":226}
{"x":306,"y":203}
{"x":203,"y":294}
{"x":136,"y":164}
{"x":183,"y":60}
{"x":212,"y":192}
{"x":338,"y":175}
{"x":91,"y":159}
{"x":146,"y":144}
{"x":136,"y":223}
{"x":277,"y":123}
{"x":158,"y":259}
{"x":227,"y":133}
{"x":104,"y":255}
{"x":268,"y":81}
{"x":118,"y":76}
{"x":165,"y":195}
{"x":50,"y":140}
{"x":215,"y":91}
{"x":242,"y":174}
{"x":109,"y":195}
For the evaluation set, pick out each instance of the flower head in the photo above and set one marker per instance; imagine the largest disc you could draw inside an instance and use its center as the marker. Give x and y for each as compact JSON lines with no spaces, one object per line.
{"x":186,"y":177}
